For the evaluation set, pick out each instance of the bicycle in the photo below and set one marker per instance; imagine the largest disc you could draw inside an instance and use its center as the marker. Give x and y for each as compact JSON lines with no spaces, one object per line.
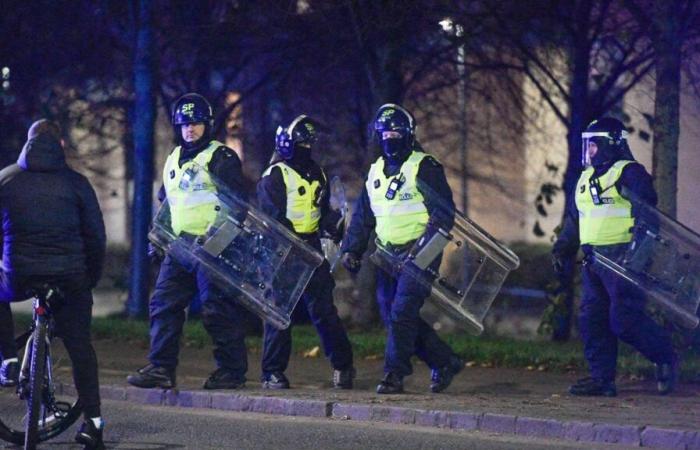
{"x":32,"y":412}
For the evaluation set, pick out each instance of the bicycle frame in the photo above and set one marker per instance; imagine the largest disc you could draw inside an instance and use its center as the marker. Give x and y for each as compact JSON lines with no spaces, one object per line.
{"x":39,"y":308}
{"x":52,"y":417}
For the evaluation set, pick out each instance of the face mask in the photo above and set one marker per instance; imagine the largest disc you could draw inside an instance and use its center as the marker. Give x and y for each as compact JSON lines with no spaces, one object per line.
{"x":302,"y":153}
{"x":605,"y":153}
{"x":394,"y":149}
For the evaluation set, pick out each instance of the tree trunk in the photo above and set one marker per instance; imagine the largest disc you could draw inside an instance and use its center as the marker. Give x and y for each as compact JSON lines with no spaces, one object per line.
{"x":143,"y":128}
{"x":667,"y":46}
{"x":580,"y":66}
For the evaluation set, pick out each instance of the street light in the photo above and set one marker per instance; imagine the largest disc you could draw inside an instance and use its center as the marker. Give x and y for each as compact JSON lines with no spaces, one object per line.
{"x":456,"y":30}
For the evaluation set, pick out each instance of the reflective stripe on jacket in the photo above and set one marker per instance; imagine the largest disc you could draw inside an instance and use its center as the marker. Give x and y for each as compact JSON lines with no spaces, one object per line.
{"x":303,"y":207}
{"x":610,"y":221}
{"x":190,"y":191}
{"x":397,"y":204}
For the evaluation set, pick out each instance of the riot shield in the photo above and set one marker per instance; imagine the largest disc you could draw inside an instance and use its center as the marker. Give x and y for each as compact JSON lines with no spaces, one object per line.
{"x":663,"y":260}
{"x":249,"y":255}
{"x":462,"y":264}
{"x":331,"y":249}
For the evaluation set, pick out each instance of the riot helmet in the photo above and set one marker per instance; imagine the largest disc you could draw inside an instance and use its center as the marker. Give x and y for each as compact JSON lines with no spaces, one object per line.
{"x":299,"y":136}
{"x":192,"y":108}
{"x":604,"y":140}
{"x":394,"y":129}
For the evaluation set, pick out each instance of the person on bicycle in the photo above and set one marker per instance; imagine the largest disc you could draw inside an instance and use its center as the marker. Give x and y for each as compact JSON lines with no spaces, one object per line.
{"x":53,"y":233}
{"x":177,"y":284}
{"x":393,"y":205}
{"x":294,"y":191}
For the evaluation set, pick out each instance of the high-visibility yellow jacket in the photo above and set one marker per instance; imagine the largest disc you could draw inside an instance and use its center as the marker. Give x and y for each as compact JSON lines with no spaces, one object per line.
{"x":401,"y":217}
{"x":190,"y":191}
{"x":610,"y":221}
{"x":303,"y":208}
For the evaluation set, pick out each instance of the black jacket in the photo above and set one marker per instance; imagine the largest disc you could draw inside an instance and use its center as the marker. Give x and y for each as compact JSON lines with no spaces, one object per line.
{"x":51,"y":221}
{"x":438,"y":202}
{"x":633,"y":178}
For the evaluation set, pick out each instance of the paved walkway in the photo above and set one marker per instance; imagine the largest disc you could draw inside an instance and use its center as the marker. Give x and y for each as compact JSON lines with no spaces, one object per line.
{"x":508,"y":401}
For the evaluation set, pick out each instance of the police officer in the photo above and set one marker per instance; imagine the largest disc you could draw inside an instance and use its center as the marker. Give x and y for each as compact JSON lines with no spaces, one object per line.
{"x":177,"y":284}
{"x":393,"y":205}
{"x":601,"y":218}
{"x":294,"y":190}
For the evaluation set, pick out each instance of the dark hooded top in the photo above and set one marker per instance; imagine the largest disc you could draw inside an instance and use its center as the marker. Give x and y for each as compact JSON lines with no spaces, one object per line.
{"x":51,"y":221}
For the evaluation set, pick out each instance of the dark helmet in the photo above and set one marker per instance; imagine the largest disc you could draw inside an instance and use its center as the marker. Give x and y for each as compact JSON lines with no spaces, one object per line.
{"x":192,"y":108}
{"x":302,"y":132}
{"x":394,"y":118}
{"x":610,"y":138}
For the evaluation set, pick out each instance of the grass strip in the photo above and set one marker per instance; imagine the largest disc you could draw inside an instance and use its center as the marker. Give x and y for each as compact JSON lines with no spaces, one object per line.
{"x":483,"y":351}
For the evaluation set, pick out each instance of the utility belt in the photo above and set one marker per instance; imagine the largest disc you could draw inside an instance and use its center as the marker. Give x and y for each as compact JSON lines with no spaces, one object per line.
{"x":308,"y":236}
{"x":189,"y":237}
{"x":396,"y":249}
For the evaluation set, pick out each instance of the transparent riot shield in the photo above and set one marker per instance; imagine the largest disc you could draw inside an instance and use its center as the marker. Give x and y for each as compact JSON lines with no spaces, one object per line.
{"x":331,"y":249}
{"x":663,"y":260}
{"x":249,"y":255}
{"x":462,"y":264}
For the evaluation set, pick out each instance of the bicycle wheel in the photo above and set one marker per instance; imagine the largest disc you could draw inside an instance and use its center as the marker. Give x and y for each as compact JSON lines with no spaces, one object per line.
{"x":14,"y":410}
{"x":59,"y":406}
{"x":37,"y":371}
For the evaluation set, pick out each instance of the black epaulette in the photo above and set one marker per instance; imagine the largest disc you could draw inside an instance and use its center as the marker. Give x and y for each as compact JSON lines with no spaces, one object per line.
{"x":228,"y":151}
{"x":432,"y":161}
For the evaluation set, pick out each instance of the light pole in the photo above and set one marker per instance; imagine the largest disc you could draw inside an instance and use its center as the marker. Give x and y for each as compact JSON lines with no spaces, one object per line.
{"x":456,"y":30}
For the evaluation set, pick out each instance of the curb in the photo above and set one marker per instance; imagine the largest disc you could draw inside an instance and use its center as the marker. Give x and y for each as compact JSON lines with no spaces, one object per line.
{"x":631,"y":435}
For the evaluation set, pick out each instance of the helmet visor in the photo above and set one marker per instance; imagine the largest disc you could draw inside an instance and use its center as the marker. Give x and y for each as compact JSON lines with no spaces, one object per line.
{"x":594,"y":142}
{"x":590,"y":141}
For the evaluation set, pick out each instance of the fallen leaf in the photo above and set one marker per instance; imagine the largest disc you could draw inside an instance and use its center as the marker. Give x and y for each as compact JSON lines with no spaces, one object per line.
{"x":313,"y":353}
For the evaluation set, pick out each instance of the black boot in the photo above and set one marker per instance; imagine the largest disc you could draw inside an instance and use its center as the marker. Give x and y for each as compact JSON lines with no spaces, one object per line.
{"x":152,"y":376}
{"x":342,"y":379}
{"x":90,"y":435}
{"x":275,"y":380}
{"x":596,"y":387}
{"x":391,"y":384}
{"x":223,"y":379}
{"x":440,"y":379}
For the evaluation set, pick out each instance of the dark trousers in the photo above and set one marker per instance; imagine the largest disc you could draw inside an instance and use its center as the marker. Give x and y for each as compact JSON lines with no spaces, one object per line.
{"x":222,"y":317}
{"x":72,"y":324}
{"x":400,"y":301}
{"x":318,"y":299}
{"x":612,"y":309}
{"x":7,"y":333}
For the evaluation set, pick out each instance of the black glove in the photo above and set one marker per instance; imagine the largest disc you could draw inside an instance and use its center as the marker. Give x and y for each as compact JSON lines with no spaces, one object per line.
{"x":339,"y":231}
{"x":155,"y":253}
{"x":351,"y":262}
{"x":558,"y":263}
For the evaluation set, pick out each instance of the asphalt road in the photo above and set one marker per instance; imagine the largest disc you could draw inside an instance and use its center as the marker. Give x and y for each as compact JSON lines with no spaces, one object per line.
{"x":132,"y":426}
